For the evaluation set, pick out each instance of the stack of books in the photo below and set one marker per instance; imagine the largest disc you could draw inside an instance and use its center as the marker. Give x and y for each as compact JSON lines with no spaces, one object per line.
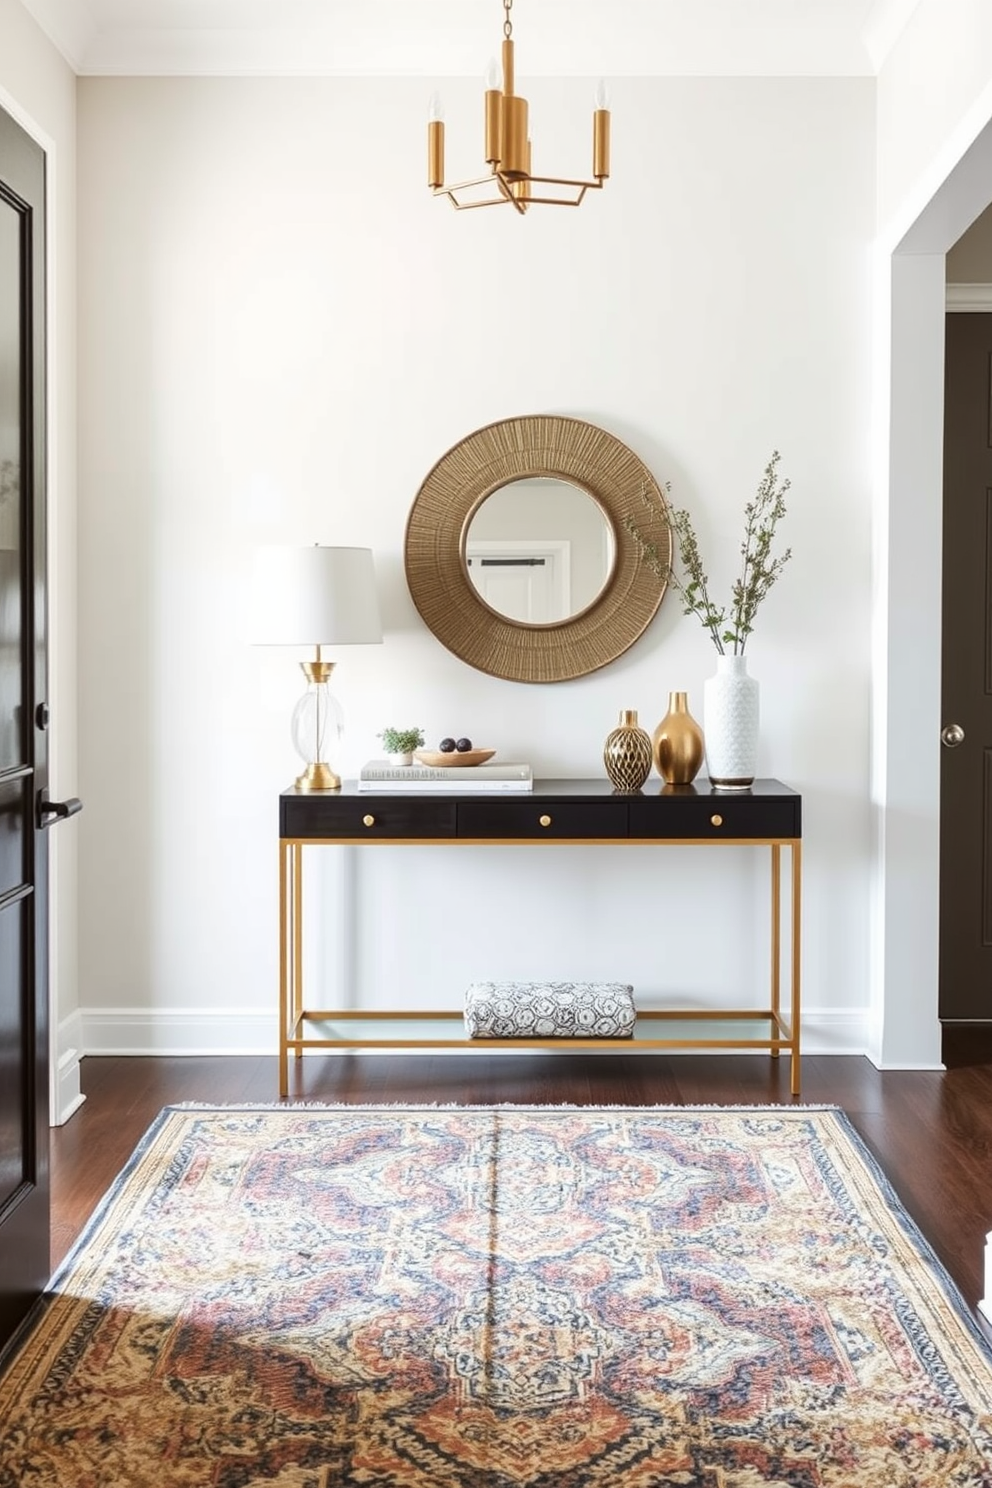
{"x":380,"y":775}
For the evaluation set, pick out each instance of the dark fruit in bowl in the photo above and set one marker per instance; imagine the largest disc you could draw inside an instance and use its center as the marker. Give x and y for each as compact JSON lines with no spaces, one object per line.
{"x":446,"y":746}
{"x":463,"y":746}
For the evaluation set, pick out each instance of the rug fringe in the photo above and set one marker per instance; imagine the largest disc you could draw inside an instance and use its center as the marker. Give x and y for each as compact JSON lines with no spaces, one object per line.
{"x":311,"y":1105}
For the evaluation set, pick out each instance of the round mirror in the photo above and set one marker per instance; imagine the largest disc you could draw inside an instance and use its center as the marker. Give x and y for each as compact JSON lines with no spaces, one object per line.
{"x":538,"y":453}
{"x":539,"y":551}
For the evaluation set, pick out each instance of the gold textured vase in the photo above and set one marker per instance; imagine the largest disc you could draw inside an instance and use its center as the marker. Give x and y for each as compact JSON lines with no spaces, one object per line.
{"x":677,"y":743}
{"x":627,"y":753}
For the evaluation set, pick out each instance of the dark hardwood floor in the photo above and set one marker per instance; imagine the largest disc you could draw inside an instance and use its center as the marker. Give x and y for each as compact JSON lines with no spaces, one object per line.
{"x":930,"y":1132}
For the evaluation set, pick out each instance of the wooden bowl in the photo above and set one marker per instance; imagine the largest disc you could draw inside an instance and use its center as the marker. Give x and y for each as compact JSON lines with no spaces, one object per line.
{"x":436,"y":760}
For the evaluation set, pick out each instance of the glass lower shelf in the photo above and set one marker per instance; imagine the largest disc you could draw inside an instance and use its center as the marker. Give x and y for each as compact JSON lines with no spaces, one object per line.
{"x":687,"y":1030}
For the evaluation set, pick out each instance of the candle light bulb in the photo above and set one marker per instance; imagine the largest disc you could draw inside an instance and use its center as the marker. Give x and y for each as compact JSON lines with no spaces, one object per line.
{"x":602,"y":94}
{"x":492,"y":76}
{"x":435,"y":109}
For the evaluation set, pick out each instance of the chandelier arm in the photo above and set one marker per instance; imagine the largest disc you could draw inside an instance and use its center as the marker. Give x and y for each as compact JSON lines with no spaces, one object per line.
{"x":492,"y":201}
{"x":508,"y":192}
{"x":566,"y":181}
{"x":505,"y":197}
{"x":556,"y":201}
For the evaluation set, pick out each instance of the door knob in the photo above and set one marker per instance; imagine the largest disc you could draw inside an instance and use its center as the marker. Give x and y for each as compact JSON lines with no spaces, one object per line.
{"x":952,"y":735}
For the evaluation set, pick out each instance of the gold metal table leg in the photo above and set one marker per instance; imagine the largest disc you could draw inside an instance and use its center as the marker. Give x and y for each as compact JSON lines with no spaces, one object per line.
{"x":797,"y":875}
{"x":283,"y":968}
{"x":776,"y":935}
{"x":297,"y":941}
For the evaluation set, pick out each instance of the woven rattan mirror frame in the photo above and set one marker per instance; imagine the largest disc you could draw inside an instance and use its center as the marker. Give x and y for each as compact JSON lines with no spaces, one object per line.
{"x":516,"y":449}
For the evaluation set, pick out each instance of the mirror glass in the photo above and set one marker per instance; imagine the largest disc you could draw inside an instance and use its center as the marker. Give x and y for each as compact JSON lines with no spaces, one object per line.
{"x":539,"y":550}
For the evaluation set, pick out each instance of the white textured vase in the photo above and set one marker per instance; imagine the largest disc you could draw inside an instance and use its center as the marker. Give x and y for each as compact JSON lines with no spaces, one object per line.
{"x":730,"y":724}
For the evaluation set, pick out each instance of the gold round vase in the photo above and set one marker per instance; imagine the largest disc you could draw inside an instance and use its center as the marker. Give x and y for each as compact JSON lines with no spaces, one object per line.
{"x":677,"y":743}
{"x":627,"y":753}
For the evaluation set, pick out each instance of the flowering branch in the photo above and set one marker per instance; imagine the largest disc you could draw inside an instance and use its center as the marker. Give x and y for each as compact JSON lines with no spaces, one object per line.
{"x":759,"y":567}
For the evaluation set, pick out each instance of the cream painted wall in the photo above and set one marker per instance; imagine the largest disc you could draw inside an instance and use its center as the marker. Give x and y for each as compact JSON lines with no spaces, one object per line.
{"x":931,"y":102}
{"x":38,"y":89}
{"x":970,"y":260}
{"x":282,"y":332}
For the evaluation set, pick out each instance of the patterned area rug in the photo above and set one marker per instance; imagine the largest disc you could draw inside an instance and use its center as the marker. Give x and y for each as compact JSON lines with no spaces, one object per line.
{"x":507,"y":1297}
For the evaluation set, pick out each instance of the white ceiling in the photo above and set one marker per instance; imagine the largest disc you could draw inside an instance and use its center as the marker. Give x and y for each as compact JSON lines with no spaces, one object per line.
{"x":429,"y":38}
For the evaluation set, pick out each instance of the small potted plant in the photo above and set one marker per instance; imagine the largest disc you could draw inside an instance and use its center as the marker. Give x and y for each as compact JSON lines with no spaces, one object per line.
{"x":399,"y":744}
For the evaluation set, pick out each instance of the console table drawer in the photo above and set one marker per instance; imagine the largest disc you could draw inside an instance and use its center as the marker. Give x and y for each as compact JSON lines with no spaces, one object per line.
{"x":548,"y":819}
{"x":714,"y":816}
{"x":366,"y":817}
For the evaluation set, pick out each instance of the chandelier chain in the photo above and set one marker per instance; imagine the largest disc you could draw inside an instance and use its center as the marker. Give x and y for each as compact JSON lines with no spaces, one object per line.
{"x":507,"y":24}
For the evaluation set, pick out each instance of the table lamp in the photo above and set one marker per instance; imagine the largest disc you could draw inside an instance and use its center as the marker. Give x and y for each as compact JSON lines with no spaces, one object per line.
{"x":316,"y":597}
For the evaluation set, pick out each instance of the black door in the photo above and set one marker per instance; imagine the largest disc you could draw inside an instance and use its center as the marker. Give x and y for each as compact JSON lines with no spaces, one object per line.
{"x":24,"y":1199}
{"x":965,"y":1002}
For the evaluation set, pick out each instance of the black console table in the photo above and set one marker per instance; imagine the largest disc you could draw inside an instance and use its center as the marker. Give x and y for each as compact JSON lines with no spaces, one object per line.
{"x":574,"y":811}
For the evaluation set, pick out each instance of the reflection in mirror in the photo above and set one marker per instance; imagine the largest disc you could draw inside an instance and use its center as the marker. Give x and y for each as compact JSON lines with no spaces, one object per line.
{"x":539,"y":550}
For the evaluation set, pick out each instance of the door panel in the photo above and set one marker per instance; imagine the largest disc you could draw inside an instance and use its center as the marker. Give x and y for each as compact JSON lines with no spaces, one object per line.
{"x":24,"y":1197}
{"x":966,"y":677}
{"x":11,"y":463}
{"x":13,"y":1144}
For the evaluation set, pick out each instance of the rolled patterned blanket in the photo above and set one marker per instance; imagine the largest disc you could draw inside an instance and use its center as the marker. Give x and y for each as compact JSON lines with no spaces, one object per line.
{"x":549,"y":1010}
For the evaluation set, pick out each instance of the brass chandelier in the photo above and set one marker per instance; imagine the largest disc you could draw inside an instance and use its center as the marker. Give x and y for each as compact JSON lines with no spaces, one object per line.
{"x":508,"y":148}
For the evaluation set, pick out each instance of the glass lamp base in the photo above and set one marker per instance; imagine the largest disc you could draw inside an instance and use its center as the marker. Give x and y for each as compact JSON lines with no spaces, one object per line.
{"x":317,"y":727}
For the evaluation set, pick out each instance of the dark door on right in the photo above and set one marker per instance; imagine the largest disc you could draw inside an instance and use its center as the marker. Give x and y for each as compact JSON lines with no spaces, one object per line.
{"x":965,"y":1000}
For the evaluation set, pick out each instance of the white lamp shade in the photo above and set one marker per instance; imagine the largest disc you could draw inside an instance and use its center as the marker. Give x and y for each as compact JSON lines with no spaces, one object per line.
{"x":315,"y":597}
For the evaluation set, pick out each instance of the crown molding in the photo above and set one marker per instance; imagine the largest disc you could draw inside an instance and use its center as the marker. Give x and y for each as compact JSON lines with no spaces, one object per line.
{"x":69,"y":24}
{"x":886,"y":22}
{"x":442,"y":38}
{"x":969,"y":297}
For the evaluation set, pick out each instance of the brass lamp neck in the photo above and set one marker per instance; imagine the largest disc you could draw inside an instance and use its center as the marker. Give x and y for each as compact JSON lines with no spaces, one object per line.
{"x":317,"y":671}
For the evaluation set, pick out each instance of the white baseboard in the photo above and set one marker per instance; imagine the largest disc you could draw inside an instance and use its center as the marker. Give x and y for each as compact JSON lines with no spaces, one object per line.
{"x":985,"y":1305}
{"x":835,"y":1030}
{"x":65,"y":1093}
{"x":885,"y":1065}
{"x":178,"y":1031}
{"x":221,"y":1031}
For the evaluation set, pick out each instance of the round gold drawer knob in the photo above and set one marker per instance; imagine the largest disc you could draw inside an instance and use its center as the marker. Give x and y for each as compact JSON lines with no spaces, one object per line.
{"x":716,"y":821}
{"x":369,"y":821}
{"x":545,"y":821}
